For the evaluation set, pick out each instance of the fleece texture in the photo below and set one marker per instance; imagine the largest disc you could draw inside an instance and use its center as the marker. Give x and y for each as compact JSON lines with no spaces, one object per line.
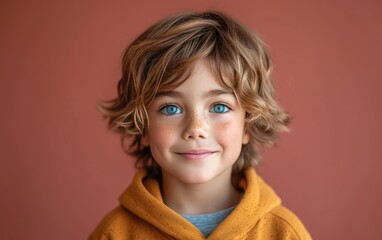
{"x":143,"y":215}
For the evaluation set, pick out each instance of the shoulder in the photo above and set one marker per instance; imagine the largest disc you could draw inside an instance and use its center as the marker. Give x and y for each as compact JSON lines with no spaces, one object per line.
{"x":121,"y":224}
{"x":285,"y":224}
{"x":111,"y":222}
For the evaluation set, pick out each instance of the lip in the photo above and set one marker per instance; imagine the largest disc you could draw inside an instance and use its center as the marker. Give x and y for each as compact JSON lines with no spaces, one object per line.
{"x":196,"y":154}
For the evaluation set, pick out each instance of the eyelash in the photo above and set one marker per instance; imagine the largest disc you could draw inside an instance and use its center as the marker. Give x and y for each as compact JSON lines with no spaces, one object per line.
{"x":163,"y":108}
{"x":169,"y":105}
{"x":222,"y":104}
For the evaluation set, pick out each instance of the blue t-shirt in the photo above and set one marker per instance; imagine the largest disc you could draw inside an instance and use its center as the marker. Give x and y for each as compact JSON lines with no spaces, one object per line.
{"x":206,"y":223}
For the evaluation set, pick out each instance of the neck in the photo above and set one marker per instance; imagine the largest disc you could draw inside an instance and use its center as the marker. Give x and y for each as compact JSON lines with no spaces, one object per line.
{"x":192,"y":199}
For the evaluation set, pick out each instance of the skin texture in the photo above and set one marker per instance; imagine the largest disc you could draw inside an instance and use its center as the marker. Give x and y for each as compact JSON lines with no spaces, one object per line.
{"x":195,"y":134}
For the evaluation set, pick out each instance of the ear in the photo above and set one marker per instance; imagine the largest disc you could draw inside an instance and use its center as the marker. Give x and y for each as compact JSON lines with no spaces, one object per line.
{"x":245,"y":138}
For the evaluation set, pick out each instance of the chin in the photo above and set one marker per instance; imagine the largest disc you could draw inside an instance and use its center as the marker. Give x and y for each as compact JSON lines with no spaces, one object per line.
{"x":196,"y":178}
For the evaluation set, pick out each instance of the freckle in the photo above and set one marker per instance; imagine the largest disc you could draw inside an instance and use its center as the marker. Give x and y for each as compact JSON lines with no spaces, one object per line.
{"x":197,"y":122}
{"x":223,"y":124}
{"x":170,"y":129}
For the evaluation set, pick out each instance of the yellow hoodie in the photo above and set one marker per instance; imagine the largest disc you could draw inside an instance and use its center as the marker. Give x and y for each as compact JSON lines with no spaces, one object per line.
{"x":143,"y":215}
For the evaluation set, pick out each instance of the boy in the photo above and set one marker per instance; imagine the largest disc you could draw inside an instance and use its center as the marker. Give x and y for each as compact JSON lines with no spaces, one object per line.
{"x":197,"y":99}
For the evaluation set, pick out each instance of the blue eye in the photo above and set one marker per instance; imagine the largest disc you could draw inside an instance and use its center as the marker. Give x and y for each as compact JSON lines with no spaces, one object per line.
{"x":171,"y":110}
{"x":219,"y":108}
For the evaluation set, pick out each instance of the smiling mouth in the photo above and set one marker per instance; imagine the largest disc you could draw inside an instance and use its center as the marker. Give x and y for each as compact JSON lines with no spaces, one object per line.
{"x":196,"y":155}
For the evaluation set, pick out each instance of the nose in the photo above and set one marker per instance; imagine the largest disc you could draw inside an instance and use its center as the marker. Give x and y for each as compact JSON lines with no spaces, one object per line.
{"x":196,"y":127}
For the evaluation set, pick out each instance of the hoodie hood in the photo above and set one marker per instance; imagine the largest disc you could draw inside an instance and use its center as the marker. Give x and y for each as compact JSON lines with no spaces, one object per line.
{"x":143,"y":198}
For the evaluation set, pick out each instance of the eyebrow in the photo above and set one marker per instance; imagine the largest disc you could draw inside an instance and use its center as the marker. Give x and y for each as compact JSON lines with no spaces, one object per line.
{"x":211,"y":93}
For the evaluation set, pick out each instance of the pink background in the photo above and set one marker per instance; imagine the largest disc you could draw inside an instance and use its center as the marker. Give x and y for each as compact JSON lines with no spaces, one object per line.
{"x":61,"y":171}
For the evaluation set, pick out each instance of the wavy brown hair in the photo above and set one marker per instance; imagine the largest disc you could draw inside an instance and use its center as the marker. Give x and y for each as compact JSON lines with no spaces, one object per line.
{"x":163,"y":57}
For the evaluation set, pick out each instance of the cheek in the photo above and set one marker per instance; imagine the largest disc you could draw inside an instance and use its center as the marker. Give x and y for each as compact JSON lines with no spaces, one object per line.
{"x":229,"y":133}
{"x":161,"y":136}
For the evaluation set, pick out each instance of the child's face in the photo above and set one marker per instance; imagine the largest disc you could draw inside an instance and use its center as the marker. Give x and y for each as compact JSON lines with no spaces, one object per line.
{"x":196,"y":131}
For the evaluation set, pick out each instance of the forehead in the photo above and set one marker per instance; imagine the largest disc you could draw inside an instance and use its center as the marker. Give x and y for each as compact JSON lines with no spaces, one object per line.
{"x":204,"y":73}
{"x":203,"y":82}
